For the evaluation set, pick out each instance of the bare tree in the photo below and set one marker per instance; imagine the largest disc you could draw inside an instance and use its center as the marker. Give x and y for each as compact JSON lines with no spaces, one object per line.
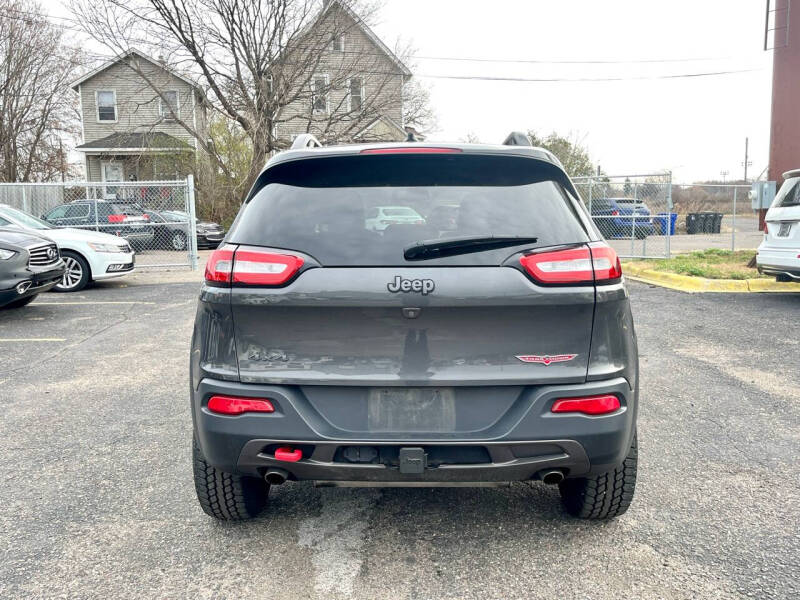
{"x":259,"y":63}
{"x":38,"y":112}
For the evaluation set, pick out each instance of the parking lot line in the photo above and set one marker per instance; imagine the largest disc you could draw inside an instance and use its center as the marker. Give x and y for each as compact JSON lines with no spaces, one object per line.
{"x":88,"y":302}
{"x":2,"y":340}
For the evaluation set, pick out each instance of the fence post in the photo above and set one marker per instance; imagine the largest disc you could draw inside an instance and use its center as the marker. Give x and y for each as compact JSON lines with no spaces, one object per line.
{"x":733,"y":222}
{"x":25,"y":205}
{"x":669,"y":215}
{"x":192,"y":222}
{"x":633,"y":216}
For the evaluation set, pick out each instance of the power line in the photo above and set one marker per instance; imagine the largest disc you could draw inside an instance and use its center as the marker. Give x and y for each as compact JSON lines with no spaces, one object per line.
{"x":29,"y":17}
{"x":583,"y":79}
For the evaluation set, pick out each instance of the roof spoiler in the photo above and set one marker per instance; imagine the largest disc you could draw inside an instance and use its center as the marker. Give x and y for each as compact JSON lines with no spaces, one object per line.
{"x":517,"y":138}
{"x":305,"y":140}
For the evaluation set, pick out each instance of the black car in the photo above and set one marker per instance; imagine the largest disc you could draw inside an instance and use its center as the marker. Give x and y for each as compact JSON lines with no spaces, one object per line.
{"x":170,"y":228}
{"x":108,"y":216}
{"x":29,"y":265}
{"x":492,"y":343}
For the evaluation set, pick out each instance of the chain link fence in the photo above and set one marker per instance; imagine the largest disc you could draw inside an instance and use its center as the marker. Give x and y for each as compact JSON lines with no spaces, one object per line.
{"x":157,"y":218}
{"x":715,"y":216}
{"x":633,"y":212}
{"x":649,"y":216}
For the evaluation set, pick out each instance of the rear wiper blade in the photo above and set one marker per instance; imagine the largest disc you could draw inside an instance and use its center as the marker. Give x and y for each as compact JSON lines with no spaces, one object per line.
{"x":462,"y":245}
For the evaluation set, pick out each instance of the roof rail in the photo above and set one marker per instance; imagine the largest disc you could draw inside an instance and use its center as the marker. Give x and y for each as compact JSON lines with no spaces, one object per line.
{"x":517,"y":138}
{"x":305,"y":140}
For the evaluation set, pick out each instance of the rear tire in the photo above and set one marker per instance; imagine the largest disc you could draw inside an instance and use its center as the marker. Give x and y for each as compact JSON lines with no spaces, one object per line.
{"x":22,"y":302}
{"x":226,"y":496}
{"x":783,"y":278}
{"x":605,"y":496}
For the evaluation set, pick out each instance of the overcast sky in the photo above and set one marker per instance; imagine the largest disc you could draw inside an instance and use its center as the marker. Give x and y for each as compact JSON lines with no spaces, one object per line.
{"x":693,"y":126}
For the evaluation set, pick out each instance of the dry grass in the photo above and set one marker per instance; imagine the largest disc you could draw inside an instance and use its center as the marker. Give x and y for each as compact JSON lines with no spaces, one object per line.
{"x":711,"y":264}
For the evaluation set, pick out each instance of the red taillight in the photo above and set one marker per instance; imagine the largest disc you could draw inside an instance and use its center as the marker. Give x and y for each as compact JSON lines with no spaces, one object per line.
{"x":590,"y":405}
{"x":605,"y":261}
{"x":255,"y":267}
{"x":251,"y":266}
{"x":411,"y":150}
{"x":573,"y":265}
{"x":116,"y":218}
{"x":231,"y":405}
{"x":598,"y":262}
{"x":220,"y":264}
{"x":614,"y":213}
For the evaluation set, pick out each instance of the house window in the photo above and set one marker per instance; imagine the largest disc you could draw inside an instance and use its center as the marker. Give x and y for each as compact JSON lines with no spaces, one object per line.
{"x":356,"y":94}
{"x":319,"y":98}
{"x":169,"y":105}
{"x":338,"y":43}
{"x":107,"y":105}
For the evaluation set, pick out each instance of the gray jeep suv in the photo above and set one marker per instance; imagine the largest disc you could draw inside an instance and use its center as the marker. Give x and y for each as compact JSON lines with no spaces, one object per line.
{"x":496,"y":348}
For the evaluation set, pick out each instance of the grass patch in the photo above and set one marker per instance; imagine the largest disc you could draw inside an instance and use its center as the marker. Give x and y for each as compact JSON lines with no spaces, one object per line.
{"x":711,"y":264}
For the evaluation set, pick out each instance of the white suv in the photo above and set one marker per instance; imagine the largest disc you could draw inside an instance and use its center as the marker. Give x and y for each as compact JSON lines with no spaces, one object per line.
{"x":779,"y":253}
{"x":88,"y":255}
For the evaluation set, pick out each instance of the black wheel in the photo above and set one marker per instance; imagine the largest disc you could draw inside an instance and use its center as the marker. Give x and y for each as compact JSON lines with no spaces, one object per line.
{"x":77,"y":275}
{"x":783,"y":278}
{"x":226,"y":496}
{"x":21,"y":302}
{"x":605,"y":496}
{"x":178,"y":241}
{"x":640,"y":235}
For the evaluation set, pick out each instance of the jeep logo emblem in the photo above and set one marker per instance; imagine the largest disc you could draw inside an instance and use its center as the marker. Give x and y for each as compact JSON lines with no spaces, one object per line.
{"x":421,"y":286}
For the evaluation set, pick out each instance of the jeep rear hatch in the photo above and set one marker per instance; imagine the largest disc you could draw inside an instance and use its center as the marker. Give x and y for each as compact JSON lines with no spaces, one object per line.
{"x":321,"y":296}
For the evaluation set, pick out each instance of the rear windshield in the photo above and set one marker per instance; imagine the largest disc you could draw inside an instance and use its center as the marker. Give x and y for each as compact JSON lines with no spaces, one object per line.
{"x":789,"y":194}
{"x":358,"y":225}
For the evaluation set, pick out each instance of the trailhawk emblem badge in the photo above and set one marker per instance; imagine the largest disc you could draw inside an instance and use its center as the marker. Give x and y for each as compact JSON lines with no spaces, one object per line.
{"x":546,"y":360}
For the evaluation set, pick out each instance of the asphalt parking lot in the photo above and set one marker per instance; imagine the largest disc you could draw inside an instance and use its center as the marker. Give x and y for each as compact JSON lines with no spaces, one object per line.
{"x":97,"y":499}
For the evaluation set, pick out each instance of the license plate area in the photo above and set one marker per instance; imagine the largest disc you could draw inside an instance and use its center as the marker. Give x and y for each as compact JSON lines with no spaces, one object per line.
{"x":411,"y":410}
{"x":784,"y":229}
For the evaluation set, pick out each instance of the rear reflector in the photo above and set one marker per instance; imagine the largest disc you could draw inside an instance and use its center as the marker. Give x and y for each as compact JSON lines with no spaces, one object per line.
{"x":254,"y":267}
{"x":596,"y":263}
{"x":590,"y":405}
{"x":230,"y":405}
{"x":411,"y":150}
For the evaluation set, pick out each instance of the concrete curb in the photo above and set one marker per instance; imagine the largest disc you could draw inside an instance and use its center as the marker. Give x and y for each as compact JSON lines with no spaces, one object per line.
{"x":686,"y":283}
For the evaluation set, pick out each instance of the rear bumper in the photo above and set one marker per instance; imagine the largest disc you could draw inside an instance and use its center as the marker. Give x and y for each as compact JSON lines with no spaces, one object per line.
{"x":525,"y":440}
{"x":779,"y":261}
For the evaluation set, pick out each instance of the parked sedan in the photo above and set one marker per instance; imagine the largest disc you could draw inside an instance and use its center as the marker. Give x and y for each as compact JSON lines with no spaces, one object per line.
{"x":622,"y":218}
{"x":88,"y":255}
{"x":29,"y":265}
{"x":117,"y":218}
{"x":170,"y":228}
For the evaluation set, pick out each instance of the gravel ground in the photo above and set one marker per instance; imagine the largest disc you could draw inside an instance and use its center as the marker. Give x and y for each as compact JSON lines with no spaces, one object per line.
{"x":97,"y":500}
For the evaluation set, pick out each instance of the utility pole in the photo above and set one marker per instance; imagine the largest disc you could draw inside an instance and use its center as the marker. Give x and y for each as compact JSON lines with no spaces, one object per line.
{"x":724,"y":174}
{"x":746,"y":163}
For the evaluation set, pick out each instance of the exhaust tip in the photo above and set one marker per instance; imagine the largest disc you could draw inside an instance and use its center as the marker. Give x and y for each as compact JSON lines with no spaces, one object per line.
{"x":552,"y":477}
{"x":276,"y":476}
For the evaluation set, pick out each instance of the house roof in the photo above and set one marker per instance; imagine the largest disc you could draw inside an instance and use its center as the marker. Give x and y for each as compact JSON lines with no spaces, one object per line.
{"x":366,"y":29}
{"x":133,"y":52}
{"x":385,"y":119}
{"x":153,"y":141}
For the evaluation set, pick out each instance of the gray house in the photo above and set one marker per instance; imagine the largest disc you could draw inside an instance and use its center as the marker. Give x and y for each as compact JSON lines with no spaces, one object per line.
{"x":355,"y":92}
{"x":132,"y":132}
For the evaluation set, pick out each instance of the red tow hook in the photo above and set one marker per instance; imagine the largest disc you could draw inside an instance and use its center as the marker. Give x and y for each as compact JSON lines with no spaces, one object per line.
{"x":286,"y":454}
